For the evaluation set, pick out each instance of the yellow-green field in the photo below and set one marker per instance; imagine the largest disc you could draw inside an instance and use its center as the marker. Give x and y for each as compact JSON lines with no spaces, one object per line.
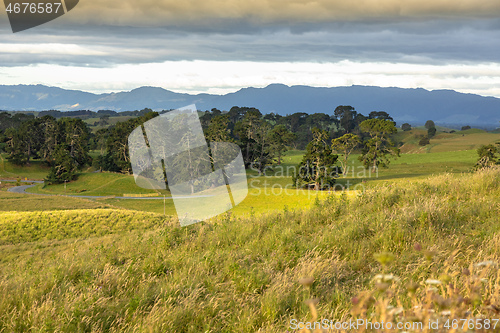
{"x":106,"y":270}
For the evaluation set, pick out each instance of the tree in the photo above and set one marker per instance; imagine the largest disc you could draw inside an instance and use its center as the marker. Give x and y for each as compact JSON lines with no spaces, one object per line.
{"x":25,"y":142}
{"x":67,"y":148}
{"x":487,"y":156}
{"x":52,"y":138}
{"x":117,"y":143}
{"x":317,"y":169}
{"x":64,"y":168}
{"x":279,"y":140}
{"x":252,"y":133}
{"x":406,"y":127}
{"x":431,"y":132}
{"x":237,"y":114}
{"x":15,"y":147}
{"x":379,"y":147}
{"x":429,"y":124}
{"x":346,"y":116}
{"x":380,"y":115}
{"x":424,"y":141}
{"x":75,"y":136}
{"x":345,"y":145}
{"x":218,"y":130}
{"x":464,"y":128}
{"x":99,"y":138}
{"x":103,"y":120}
{"x":272,"y":118}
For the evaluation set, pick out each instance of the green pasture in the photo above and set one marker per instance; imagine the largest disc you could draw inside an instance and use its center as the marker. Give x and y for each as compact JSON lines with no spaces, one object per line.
{"x":97,"y":184}
{"x":95,"y":126}
{"x":24,"y":203}
{"x":36,"y":171}
{"x":444,"y":142}
{"x":270,"y":190}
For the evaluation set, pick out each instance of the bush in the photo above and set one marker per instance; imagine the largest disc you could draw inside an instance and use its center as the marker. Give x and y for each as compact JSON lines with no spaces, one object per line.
{"x":465,"y":128}
{"x":406,"y":127}
{"x":424,"y":141}
{"x":487,"y":156}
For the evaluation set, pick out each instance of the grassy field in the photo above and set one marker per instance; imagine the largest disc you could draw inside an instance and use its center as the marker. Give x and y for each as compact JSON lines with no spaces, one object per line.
{"x":269,"y":192}
{"x":111,"y":121}
{"x":21,"y":203}
{"x":424,"y":251}
{"x":97,"y":184}
{"x":36,"y":171}
{"x":445,"y":142}
{"x":414,"y":242}
{"x":275,"y":183}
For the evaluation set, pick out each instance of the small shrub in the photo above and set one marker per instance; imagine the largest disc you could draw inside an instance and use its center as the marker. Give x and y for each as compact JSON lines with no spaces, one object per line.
{"x":406,"y":127}
{"x":424,"y":141}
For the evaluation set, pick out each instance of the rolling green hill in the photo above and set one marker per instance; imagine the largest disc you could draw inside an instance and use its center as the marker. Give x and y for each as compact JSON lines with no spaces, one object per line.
{"x":445,"y":142}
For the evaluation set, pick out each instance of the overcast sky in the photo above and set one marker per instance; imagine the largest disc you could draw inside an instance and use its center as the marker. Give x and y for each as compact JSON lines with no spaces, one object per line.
{"x":219,"y":46}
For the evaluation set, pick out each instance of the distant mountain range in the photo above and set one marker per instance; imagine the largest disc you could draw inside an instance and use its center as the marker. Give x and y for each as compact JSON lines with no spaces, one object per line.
{"x":415,"y":106}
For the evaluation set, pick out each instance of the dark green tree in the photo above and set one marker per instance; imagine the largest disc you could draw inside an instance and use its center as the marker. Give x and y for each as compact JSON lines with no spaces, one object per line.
{"x":429,"y":124}
{"x":346,"y":116}
{"x":218,"y":129}
{"x":279,"y":140}
{"x":406,"y":127}
{"x":117,"y":143}
{"x":67,"y":148}
{"x":380,"y":115}
{"x":487,"y":156}
{"x":64,"y":167}
{"x":98,"y":140}
{"x":424,"y":141}
{"x":15,"y":147}
{"x":252,"y":132}
{"x":272,"y":118}
{"x":431,"y":132}
{"x":52,"y":137}
{"x":317,"y":170}
{"x":25,"y":142}
{"x":75,"y":136}
{"x":379,"y":146}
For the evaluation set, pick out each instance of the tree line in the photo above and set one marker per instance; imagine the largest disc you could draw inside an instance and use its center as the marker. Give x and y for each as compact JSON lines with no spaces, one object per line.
{"x":64,"y":143}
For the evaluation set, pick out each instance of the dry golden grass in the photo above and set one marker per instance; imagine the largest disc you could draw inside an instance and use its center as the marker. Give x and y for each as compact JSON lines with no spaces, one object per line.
{"x":250,"y":274}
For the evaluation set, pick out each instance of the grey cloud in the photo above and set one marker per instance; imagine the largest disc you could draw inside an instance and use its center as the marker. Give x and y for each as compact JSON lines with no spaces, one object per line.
{"x":385,"y":30}
{"x":263,"y":12}
{"x":412,"y":40}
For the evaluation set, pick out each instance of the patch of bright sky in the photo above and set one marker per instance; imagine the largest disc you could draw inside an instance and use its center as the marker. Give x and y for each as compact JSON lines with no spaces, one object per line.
{"x":229,"y":76}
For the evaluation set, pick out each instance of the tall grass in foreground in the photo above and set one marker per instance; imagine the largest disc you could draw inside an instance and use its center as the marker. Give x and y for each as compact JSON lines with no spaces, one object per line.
{"x":376,"y":256}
